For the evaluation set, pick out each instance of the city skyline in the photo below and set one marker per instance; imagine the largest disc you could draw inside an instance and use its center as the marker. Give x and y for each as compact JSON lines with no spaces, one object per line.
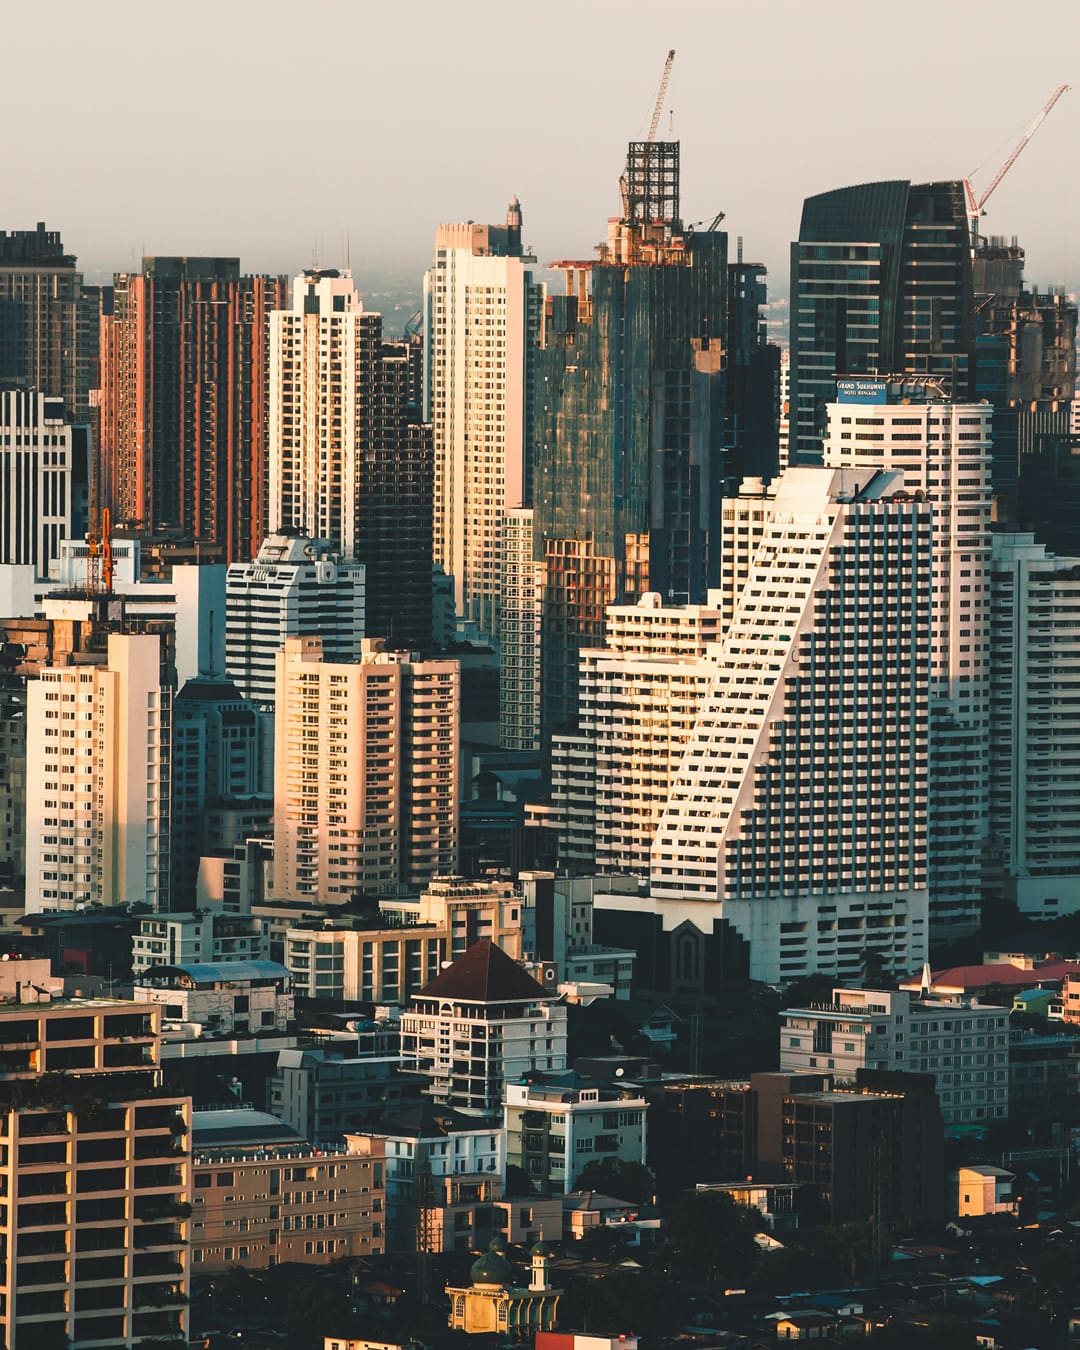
{"x":776,"y":128}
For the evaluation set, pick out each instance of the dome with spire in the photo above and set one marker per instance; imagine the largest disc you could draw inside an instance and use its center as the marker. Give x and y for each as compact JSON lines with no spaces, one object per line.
{"x":493,"y":1268}
{"x":542,"y":1248}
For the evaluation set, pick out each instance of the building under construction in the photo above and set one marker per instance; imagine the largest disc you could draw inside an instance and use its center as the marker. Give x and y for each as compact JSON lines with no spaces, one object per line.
{"x":641,"y":418}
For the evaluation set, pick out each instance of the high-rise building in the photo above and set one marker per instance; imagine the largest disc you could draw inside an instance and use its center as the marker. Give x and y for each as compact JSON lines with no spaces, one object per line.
{"x":519,"y":635}
{"x":98,"y":778}
{"x":184,"y":396}
{"x":640,"y":696}
{"x":96,"y":1168}
{"x":1034,"y":727}
{"x":295,"y":587}
{"x":48,"y":323}
{"x":350,"y":460}
{"x":215,"y":764}
{"x":365,"y":771}
{"x":1027,"y":361}
{"x":797,"y":823}
{"x":942,"y":449}
{"x":648,"y":406}
{"x":881,"y":284}
{"x":482,"y":318}
{"x":37,"y":479}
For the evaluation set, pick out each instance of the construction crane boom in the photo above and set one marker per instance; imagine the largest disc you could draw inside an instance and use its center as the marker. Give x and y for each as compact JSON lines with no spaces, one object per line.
{"x":661,"y":94}
{"x":975,"y":207}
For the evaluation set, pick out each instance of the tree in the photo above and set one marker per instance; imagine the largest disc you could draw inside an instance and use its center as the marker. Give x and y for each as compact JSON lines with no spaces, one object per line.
{"x":712,"y":1238}
{"x":315,"y":1311}
{"x":517,"y":1181}
{"x":612,"y":1176}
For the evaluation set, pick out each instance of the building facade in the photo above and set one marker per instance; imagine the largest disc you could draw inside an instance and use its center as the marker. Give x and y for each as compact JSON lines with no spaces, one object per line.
{"x":963,"y":1046}
{"x":98,"y":777}
{"x":881,"y":283}
{"x":1034,"y":727}
{"x":48,"y":320}
{"x":97,"y":1173}
{"x":482,"y":315}
{"x":639,"y":698}
{"x":184,"y":396}
{"x":365,"y":771}
{"x":481,"y":1023}
{"x":798,"y":818}
{"x":37,"y":479}
{"x":519,"y":636}
{"x":942,"y":450}
{"x":556,"y":1124}
{"x":363,"y":964}
{"x":257,"y":1207}
{"x":295,"y":587}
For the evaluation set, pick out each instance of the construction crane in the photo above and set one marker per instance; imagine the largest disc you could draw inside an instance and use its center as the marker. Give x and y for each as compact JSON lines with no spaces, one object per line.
{"x":658,"y":107}
{"x":661,"y":94}
{"x":975,"y":207}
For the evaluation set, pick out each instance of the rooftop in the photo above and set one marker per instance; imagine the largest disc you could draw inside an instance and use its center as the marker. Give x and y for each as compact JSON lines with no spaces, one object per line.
{"x":217,"y":972}
{"x":240,"y":1126}
{"x":485,"y":974}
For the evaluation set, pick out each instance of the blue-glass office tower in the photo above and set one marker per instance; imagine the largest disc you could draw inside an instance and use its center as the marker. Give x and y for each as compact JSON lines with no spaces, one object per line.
{"x":881,"y":283}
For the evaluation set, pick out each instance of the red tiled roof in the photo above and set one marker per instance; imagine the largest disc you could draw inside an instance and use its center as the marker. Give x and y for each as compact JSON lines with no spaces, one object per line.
{"x":981,"y":977}
{"x":484,"y":974}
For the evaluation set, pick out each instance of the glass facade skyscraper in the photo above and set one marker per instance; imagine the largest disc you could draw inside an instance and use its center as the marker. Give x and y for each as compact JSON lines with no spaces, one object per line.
{"x":880,"y":284}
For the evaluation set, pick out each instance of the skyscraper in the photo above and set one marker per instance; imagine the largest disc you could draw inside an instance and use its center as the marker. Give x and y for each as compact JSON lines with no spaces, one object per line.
{"x":519,"y":636}
{"x":651,"y":400}
{"x":295,"y":587}
{"x":881,"y":283}
{"x":350,"y":460}
{"x":796,"y":828}
{"x":942,"y":450}
{"x":184,"y":391}
{"x":482,"y":316}
{"x":37,"y":479}
{"x":48,"y":320}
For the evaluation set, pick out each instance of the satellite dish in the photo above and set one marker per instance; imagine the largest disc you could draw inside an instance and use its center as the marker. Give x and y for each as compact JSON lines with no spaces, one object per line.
{"x":619,"y":1072}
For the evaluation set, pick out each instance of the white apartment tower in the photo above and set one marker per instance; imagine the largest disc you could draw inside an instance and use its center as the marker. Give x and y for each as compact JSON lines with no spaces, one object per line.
{"x":35,"y":479}
{"x":365,"y":771}
{"x":799,"y":813}
{"x":519,"y":635}
{"x":942,"y":449}
{"x":296,"y":587}
{"x":482,"y":316}
{"x":324,"y":353}
{"x":1035,"y":726}
{"x":98,"y":783}
{"x":640,"y":696}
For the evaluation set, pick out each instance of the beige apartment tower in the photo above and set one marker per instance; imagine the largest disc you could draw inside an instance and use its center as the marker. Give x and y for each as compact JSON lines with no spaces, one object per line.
{"x":365,"y":771}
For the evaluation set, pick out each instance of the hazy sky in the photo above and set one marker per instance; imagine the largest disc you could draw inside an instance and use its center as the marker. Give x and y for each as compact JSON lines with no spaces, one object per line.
{"x":234,"y":127}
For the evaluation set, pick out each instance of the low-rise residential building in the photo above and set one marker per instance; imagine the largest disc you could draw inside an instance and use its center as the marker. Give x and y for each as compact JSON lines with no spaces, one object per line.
{"x":328,"y":1091}
{"x":1042,"y":1068}
{"x":261,"y":1199}
{"x":608,"y":966}
{"x":466,"y":911}
{"x":556,"y":1124}
{"x":423,"y":1146}
{"x":481,"y":1023}
{"x":224,"y":999}
{"x":983,"y":1190}
{"x":354,"y":962}
{"x":199,"y":937}
{"x":963,"y":1045}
